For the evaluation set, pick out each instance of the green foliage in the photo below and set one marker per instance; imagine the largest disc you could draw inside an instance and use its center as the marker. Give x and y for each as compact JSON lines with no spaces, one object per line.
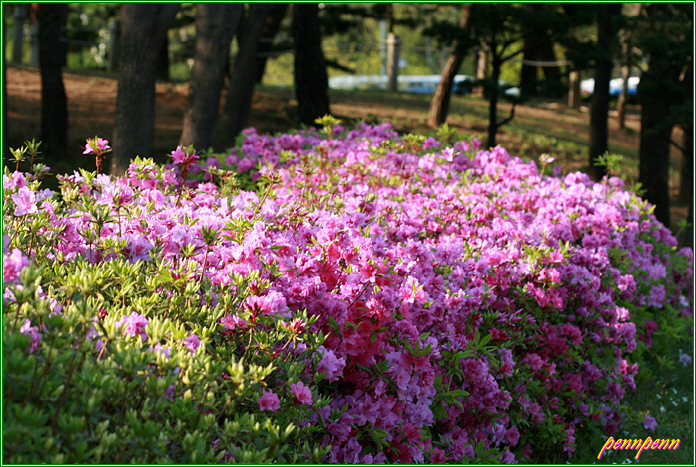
{"x":91,"y":393}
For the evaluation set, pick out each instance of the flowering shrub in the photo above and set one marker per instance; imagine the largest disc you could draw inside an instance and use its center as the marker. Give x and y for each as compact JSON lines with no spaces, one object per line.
{"x":378,"y":299}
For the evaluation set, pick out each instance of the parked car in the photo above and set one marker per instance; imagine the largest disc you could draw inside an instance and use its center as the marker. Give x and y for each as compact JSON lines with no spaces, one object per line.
{"x":615,"y":86}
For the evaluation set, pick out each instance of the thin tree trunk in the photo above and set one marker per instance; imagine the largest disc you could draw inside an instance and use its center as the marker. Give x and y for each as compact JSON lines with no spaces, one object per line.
{"x":242,"y":80}
{"x":493,"y":102}
{"x":439,"y":107}
{"x":270,"y":30}
{"x":625,"y":74}
{"x":54,"y":103}
{"x":216,"y":24}
{"x":311,"y":80}
{"x":599,"y":109}
{"x":143,"y":27}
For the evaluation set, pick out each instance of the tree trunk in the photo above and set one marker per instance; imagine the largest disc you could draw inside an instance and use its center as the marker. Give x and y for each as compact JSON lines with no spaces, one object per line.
{"x":242,"y":80}
{"x":143,"y":27}
{"x":270,"y":30}
{"x":54,"y":103}
{"x":655,"y":141}
{"x":216,"y":24}
{"x":481,"y":73}
{"x":439,"y":106}
{"x":493,"y":101}
{"x":599,"y":109}
{"x":5,"y":100}
{"x":686,"y":188}
{"x":311,"y":81}
{"x":163,"y":60}
{"x":528,"y":73}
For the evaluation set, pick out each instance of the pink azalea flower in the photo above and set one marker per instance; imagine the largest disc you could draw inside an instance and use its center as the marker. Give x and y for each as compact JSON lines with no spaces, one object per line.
{"x":12,"y":265}
{"x":34,"y":334}
{"x":133,"y":324}
{"x":96,"y":146}
{"x":302,"y":393}
{"x":179,"y":155}
{"x":269,"y":401}
{"x":25,"y":202}
{"x":192,"y":342}
{"x":650,"y":423}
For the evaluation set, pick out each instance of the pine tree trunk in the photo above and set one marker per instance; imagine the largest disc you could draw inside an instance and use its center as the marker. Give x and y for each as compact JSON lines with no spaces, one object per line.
{"x":54,"y":103}
{"x":242,"y":81}
{"x":655,"y":141}
{"x":599,"y":109}
{"x":270,"y":30}
{"x":311,"y":80}
{"x":493,"y":102}
{"x":439,"y":107}
{"x":216,"y":24}
{"x":143,"y":27}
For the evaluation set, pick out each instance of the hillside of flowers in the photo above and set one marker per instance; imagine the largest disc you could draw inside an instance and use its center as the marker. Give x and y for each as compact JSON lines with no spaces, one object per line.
{"x":330,"y":296}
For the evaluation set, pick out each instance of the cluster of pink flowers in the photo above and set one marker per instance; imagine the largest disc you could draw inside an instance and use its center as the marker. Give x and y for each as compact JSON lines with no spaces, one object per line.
{"x":466,"y":296}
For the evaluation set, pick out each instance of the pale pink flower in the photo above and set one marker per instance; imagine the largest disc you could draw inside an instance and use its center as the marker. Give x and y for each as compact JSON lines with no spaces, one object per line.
{"x":133,"y":324}
{"x":192,"y":342}
{"x":269,"y":401}
{"x":100,"y":145}
{"x":650,"y":423}
{"x":34,"y":334}
{"x":25,"y":202}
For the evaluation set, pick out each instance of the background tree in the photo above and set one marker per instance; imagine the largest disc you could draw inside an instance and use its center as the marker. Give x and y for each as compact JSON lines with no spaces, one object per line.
{"x":607,"y":14}
{"x":498,"y":27}
{"x":311,"y":79}
{"x":270,"y":30}
{"x":439,"y":106}
{"x":242,"y":78}
{"x":143,"y":27}
{"x":216,"y":24}
{"x":54,"y":103}
{"x":538,"y":50}
{"x":666,"y":40}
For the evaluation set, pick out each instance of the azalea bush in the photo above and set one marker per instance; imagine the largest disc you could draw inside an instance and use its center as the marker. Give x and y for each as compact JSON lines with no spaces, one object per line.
{"x":329,"y":296}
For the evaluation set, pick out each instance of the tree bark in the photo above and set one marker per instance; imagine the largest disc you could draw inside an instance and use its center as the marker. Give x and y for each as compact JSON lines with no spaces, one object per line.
{"x":270,"y":30}
{"x":242,"y":80}
{"x":599,"y":109}
{"x":143,"y":27}
{"x":439,"y":107}
{"x":655,"y":140}
{"x":216,"y":24}
{"x":54,"y":103}
{"x":311,"y":80}
{"x":493,"y":101}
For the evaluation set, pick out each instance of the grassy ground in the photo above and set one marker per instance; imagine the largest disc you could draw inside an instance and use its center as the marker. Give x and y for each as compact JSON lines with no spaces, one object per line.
{"x":539,"y":127}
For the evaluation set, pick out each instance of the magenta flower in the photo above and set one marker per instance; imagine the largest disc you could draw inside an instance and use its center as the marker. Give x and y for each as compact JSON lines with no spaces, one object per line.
{"x":269,"y":401}
{"x":302,"y":393}
{"x":650,"y":423}
{"x":25,"y":202}
{"x":233,"y":322}
{"x":34,"y":334}
{"x":96,"y":146}
{"x":331,"y":365}
{"x":179,"y":155}
{"x":12,"y":265}
{"x":684,"y":359}
{"x":133,"y":324}
{"x":192,"y":342}
{"x":184,"y":156}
